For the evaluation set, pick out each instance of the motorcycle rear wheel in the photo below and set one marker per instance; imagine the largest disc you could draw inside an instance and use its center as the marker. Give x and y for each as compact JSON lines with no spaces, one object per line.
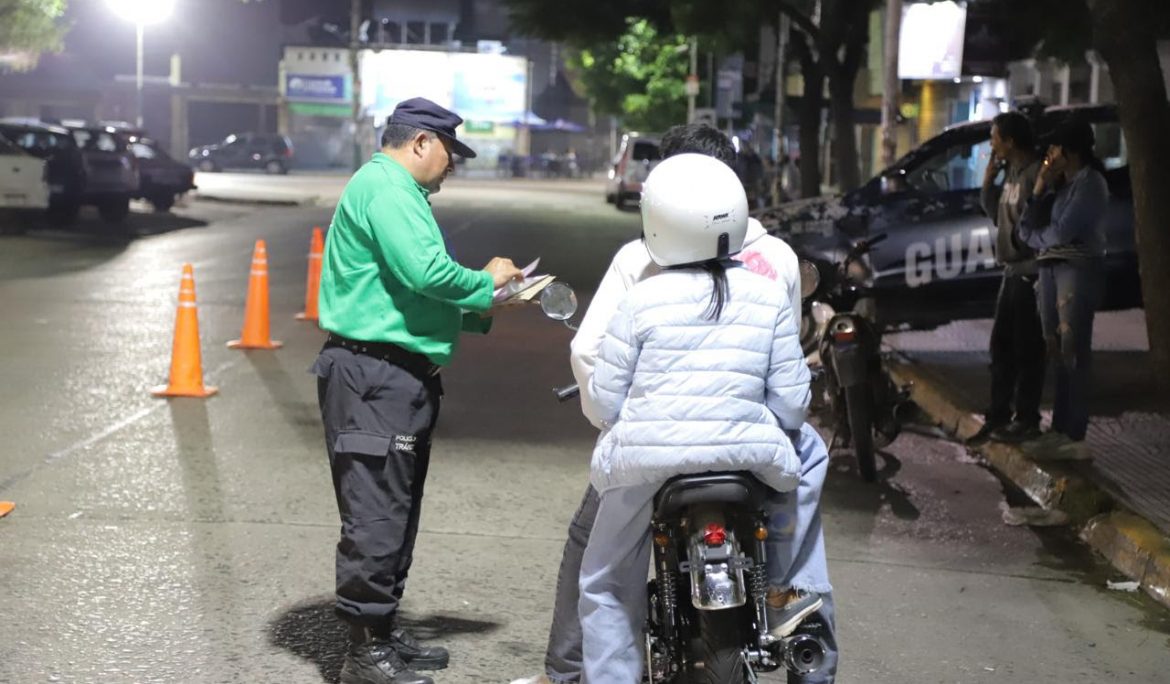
{"x":861,"y":430}
{"x":717,"y":651}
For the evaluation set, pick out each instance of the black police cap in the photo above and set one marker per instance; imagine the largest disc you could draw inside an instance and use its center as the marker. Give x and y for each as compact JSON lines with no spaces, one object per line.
{"x":420,"y":112}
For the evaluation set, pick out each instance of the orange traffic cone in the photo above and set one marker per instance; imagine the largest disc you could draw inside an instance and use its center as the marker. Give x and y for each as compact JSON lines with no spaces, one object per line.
{"x":6,"y":508}
{"x":186,"y":363}
{"x":255,"y":334}
{"x":316,"y":248}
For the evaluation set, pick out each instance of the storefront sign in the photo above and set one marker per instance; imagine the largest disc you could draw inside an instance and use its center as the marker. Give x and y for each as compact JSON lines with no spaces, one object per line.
{"x":315,"y":88}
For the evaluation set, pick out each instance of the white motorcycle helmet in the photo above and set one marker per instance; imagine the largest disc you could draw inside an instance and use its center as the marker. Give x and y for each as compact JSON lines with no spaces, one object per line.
{"x":693,"y":209}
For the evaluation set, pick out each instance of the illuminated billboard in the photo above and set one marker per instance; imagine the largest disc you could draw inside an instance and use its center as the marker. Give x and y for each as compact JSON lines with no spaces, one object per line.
{"x":478,"y":87}
{"x":931,"y":44}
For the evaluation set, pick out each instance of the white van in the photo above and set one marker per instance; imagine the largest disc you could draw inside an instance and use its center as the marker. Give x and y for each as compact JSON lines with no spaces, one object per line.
{"x":637,"y":155}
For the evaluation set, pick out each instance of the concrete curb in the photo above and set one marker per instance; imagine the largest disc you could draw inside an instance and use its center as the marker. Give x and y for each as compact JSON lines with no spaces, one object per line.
{"x":1132,"y":544}
{"x":264,"y":201}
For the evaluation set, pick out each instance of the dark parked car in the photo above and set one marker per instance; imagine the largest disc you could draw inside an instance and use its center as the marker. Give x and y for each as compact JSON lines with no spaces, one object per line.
{"x":162,"y":178}
{"x":271,"y":152}
{"x":937,"y":263}
{"x":111,"y":172}
{"x":66,"y":169}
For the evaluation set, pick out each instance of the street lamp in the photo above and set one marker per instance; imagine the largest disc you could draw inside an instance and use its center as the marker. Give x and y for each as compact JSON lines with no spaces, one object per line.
{"x":141,"y":12}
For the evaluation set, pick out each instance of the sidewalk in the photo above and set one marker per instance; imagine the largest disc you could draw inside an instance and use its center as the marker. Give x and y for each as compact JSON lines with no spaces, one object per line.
{"x":1121,"y":499}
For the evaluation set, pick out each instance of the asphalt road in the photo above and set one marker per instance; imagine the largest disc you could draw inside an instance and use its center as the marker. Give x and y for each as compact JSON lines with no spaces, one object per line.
{"x":192,"y":540}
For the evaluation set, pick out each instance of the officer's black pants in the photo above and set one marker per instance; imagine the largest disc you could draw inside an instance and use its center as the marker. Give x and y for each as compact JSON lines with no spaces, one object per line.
{"x":378,"y":422}
{"x":1017,"y":353}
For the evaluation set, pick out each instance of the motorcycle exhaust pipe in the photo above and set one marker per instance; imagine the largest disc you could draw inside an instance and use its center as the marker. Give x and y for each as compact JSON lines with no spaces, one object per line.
{"x":804,"y":654}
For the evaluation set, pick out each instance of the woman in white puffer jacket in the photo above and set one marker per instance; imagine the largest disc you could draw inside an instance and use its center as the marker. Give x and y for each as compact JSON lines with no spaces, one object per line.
{"x":701,"y":370}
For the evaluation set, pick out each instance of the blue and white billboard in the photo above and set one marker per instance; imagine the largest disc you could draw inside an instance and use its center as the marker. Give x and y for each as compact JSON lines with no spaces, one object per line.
{"x":316,"y":88}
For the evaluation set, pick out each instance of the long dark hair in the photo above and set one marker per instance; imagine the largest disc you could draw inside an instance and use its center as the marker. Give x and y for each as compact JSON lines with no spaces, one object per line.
{"x":720,"y":290}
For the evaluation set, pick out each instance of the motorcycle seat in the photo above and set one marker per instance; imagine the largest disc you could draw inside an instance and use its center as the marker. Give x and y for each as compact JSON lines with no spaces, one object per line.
{"x":679,"y":493}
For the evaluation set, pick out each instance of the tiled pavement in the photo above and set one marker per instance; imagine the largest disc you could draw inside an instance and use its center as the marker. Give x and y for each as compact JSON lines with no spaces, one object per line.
{"x":1129,"y":432}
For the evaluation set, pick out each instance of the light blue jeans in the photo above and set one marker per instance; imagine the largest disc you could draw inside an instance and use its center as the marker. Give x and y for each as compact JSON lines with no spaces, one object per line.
{"x":616,"y":560}
{"x":1069,"y":294}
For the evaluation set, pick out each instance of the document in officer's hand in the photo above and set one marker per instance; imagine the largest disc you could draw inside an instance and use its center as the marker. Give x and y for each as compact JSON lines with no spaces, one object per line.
{"x":523,"y":290}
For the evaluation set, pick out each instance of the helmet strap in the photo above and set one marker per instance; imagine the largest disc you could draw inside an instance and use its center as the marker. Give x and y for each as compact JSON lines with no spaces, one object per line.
{"x":724,"y":246}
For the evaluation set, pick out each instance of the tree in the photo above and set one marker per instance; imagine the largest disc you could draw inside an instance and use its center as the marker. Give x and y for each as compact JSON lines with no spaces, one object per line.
{"x":835,"y":35}
{"x":639,"y":76}
{"x":31,"y":27}
{"x":829,"y":41}
{"x":1126,"y":32}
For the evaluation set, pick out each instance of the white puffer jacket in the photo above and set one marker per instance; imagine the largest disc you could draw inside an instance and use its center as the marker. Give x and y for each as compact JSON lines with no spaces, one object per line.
{"x":679,"y":393}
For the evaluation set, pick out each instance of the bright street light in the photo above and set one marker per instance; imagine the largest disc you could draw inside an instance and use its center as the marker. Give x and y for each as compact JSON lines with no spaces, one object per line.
{"x":141,"y":12}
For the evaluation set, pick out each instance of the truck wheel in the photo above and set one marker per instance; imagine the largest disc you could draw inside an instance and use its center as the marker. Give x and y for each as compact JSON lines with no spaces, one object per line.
{"x":114,"y":209}
{"x":63,"y":212}
{"x":162,"y":202}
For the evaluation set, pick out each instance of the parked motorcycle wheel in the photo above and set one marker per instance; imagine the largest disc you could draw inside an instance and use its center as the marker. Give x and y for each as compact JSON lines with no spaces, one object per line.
{"x":861,"y":430}
{"x":717,"y":652}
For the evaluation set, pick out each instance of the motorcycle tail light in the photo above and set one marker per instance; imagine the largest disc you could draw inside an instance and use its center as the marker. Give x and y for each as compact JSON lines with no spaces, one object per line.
{"x":715,"y":535}
{"x":844,"y":335}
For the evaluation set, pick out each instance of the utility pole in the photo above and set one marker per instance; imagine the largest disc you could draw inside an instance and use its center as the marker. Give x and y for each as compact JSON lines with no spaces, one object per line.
{"x":139,"y":74}
{"x":355,"y":22}
{"x":892,"y":86}
{"x":784,"y":27}
{"x":692,"y":84}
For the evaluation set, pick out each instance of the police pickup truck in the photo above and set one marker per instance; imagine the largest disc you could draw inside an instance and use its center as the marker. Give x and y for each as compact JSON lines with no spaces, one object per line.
{"x":937,"y":261}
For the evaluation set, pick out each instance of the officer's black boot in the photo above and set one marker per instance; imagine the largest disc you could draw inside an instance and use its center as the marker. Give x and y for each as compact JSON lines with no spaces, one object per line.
{"x":417,"y":656}
{"x":373,"y":659}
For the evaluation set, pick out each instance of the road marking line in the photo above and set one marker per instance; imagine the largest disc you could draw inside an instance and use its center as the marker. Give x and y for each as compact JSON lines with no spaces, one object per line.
{"x":99,"y":436}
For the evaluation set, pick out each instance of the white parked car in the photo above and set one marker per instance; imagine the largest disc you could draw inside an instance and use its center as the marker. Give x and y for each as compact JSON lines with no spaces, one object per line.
{"x":637,"y":155}
{"x":23,"y":179}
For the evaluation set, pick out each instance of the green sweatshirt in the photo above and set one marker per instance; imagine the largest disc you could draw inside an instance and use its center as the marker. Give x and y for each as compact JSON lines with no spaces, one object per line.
{"x":386,"y":275}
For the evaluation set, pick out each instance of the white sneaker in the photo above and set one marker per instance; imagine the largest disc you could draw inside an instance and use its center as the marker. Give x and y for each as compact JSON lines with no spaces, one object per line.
{"x":535,"y":679}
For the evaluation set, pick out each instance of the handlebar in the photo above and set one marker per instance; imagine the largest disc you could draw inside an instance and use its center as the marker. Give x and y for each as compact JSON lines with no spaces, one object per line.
{"x":567,"y":392}
{"x":863,"y":246}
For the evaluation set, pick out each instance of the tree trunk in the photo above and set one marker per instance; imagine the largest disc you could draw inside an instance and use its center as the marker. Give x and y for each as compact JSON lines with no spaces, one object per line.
{"x":812,"y":102}
{"x":892,"y":86}
{"x":1125,"y":37}
{"x":844,"y":130}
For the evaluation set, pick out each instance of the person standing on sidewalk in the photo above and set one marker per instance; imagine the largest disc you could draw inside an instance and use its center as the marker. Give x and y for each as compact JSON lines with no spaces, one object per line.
{"x":1062,"y":222}
{"x":1017,"y":341}
{"x":796,"y":543}
{"x":394,"y":303}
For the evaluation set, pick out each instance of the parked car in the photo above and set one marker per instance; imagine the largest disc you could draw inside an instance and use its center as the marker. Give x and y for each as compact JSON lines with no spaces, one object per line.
{"x":637,"y":154}
{"x":271,"y":152}
{"x":64,"y":164}
{"x":938,"y":261}
{"x":162,"y":178}
{"x":23,"y":180}
{"x":111,"y":171}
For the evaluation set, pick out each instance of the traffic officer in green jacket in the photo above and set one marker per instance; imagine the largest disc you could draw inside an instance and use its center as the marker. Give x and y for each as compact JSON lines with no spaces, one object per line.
{"x":394,"y":303}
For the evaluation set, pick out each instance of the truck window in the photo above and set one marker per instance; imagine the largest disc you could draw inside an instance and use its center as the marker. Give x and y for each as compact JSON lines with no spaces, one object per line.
{"x":958,"y":167}
{"x":646,"y":151}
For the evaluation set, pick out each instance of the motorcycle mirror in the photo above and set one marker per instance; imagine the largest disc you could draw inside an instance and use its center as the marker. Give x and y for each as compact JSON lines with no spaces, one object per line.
{"x":558,"y":301}
{"x":810,"y":278}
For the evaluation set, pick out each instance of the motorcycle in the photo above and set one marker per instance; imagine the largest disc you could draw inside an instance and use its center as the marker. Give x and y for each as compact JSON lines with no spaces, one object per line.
{"x":838,"y":325}
{"x":706,"y":617}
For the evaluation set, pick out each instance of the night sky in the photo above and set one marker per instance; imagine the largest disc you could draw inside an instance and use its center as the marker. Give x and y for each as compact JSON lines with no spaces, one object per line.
{"x":221,"y":41}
